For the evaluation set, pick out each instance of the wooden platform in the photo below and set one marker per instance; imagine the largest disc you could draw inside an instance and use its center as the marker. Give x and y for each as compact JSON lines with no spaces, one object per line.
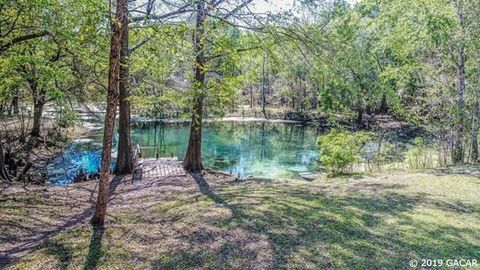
{"x":162,"y":167}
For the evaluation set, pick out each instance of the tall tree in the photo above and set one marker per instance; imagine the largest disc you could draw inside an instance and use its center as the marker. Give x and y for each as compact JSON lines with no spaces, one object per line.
{"x":118,"y":25}
{"x":124,"y":163}
{"x":220,"y":50}
{"x":457,"y":154}
{"x":193,"y":157}
{"x":264,"y":82}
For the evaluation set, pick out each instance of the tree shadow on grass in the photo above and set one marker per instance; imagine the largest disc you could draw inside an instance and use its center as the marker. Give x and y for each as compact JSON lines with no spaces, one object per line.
{"x":61,"y":251}
{"x":472,"y":170}
{"x":371,"y":226}
{"x":95,"y":252}
{"x":205,"y":188}
{"x":95,"y":248}
{"x":28,"y":229}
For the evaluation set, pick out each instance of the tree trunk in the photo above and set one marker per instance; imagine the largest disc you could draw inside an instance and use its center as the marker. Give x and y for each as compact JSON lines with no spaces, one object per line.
{"x":193,"y":157}
{"x":303,"y":89}
{"x":383,"y":105}
{"x":251,"y":97}
{"x":14,"y":107}
{"x":475,"y":125}
{"x":457,"y":154}
{"x":32,"y":143}
{"x":124,"y":163}
{"x":38,"y":104}
{"x":37,"y":118}
{"x":264,"y":100}
{"x":98,"y":218}
{"x":3,"y":172}
{"x":314,"y":100}
{"x":474,"y":134}
{"x":360,"y":118}
{"x":475,"y":139}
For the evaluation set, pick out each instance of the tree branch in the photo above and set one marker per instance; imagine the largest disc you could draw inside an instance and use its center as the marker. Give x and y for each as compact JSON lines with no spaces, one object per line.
{"x":208,"y":58}
{"x":20,"y":39}
{"x":182,"y":9}
{"x":139,"y":44}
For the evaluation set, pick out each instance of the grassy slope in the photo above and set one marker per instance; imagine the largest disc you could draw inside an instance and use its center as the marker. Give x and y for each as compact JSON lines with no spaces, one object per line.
{"x":182,"y":223}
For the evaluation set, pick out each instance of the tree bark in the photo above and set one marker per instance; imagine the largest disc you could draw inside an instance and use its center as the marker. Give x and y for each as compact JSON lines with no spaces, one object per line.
{"x":383,"y":105}
{"x":98,"y":218}
{"x":193,"y":157}
{"x":3,"y":172}
{"x":264,"y":100}
{"x":32,"y":143}
{"x":124,"y":163}
{"x":475,"y":126}
{"x":14,"y":107}
{"x":303,"y":90}
{"x":38,"y":105}
{"x":457,"y":154}
{"x":475,"y":137}
{"x":360,"y":118}
{"x":37,"y":118}
{"x":314,"y":100}
{"x":251,"y":96}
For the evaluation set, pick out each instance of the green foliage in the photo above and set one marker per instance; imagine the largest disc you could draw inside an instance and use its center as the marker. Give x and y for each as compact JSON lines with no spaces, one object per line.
{"x":421,"y":156}
{"x":340,"y":149}
{"x":59,"y":63}
{"x":66,"y":118}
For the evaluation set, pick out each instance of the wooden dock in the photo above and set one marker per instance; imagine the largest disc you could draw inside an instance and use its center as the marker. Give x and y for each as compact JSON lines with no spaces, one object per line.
{"x":158,"y":168}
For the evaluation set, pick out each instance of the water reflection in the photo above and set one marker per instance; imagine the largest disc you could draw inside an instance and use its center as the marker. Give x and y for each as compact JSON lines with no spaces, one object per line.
{"x":280,"y":150}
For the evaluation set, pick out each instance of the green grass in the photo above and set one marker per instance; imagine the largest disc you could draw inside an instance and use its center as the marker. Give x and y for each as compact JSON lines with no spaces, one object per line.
{"x":378,"y":222}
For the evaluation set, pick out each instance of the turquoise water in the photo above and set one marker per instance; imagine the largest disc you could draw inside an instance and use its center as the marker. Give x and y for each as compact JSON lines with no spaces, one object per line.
{"x":273,"y":150}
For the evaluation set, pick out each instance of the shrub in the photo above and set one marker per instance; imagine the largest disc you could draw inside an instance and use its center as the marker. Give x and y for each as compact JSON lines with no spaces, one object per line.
{"x":340,"y":149}
{"x":66,"y":118}
{"x":420,"y":156}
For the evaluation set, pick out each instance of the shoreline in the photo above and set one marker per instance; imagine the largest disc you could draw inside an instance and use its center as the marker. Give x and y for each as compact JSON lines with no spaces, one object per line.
{"x":211,"y":120}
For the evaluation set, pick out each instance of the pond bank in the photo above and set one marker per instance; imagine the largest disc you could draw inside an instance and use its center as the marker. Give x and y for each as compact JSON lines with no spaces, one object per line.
{"x":53,"y":142}
{"x":212,"y":120}
{"x":385,"y":123}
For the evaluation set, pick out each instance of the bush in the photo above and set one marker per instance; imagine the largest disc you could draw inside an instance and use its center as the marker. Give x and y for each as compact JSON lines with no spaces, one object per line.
{"x":420,"y":156}
{"x":340,"y":149}
{"x":66,"y":118}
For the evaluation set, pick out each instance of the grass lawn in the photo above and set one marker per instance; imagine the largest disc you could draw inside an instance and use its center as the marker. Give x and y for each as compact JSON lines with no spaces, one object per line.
{"x":370,"y":222}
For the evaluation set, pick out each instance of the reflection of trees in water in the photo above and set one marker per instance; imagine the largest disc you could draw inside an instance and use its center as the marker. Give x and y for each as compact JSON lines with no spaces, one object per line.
{"x":245,"y":147}
{"x":302,"y":131}
{"x":159,"y":139}
{"x":262,"y":145}
{"x":151,"y":135}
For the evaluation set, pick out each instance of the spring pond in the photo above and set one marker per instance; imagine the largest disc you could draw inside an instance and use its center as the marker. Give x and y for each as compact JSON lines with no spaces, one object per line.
{"x":264,"y":149}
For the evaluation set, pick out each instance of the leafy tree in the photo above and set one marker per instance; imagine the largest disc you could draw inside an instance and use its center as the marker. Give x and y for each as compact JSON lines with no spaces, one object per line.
{"x":206,"y":85}
{"x":98,"y":218}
